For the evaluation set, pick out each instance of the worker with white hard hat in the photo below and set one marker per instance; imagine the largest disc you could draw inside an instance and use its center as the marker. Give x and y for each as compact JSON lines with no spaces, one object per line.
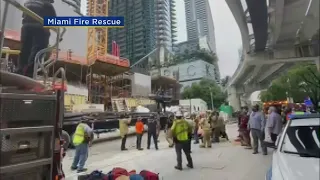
{"x":181,"y":131}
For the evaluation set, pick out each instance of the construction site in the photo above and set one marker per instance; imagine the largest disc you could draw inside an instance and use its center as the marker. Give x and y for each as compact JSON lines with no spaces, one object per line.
{"x":96,"y":77}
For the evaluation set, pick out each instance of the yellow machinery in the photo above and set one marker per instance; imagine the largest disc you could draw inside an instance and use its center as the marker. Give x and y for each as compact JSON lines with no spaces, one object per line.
{"x":97,"y":36}
{"x":6,"y":53}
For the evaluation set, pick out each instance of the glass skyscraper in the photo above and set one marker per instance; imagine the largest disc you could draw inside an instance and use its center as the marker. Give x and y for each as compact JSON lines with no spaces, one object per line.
{"x":199,"y":21}
{"x":138,"y":37}
{"x":148,"y":24}
{"x":165,"y":23}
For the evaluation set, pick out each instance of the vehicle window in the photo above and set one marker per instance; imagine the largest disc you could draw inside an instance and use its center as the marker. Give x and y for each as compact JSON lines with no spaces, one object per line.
{"x":302,"y":140}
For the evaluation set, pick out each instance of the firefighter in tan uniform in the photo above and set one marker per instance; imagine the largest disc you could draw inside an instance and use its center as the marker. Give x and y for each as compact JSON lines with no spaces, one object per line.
{"x":205,"y":126}
{"x":124,"y":122}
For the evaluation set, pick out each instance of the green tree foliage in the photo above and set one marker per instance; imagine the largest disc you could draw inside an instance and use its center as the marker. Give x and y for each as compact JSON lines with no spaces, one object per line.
{"x":303,"y":80}
{"x":187,"y":56}
{"x":202,"y":90}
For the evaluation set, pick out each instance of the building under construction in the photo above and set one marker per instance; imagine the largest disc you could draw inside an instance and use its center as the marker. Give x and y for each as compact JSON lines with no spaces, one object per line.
{"x":105,"y":78}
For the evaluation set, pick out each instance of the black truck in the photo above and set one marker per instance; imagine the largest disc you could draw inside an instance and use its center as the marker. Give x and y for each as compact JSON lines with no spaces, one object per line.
{"x":102,"y":122}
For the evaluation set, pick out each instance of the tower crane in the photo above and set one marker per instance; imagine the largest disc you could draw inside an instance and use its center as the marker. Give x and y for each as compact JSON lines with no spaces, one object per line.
{"x":97,"y":43}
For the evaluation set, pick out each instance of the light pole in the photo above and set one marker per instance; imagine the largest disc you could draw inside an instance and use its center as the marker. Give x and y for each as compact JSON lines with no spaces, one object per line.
{"x":190,"y":110}
{"x":211,"y":98}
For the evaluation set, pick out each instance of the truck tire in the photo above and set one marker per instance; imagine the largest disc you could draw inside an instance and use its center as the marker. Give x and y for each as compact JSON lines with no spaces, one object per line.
{"x":66,"y":138}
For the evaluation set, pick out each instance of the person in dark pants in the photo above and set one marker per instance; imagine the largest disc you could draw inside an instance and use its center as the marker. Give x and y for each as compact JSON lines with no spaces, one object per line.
{"x":189,"y":143}
{"x":124,"y":121}
{"x":190,"y":123}
{"x":168,"y":131}
{"x":180,"y":131}
{"x":152,"y":131}
{"x":274,"y":124}
{"x":157,"y":118}
{"x":139,"y":132}
{"x":33,"y":36}
{"x":195,"y":131}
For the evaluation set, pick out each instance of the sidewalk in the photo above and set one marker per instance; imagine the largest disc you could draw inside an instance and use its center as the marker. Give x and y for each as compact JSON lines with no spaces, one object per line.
{"x":224,"y":161}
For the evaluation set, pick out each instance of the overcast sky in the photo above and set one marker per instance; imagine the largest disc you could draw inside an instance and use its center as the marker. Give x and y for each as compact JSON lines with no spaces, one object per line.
{"x":228,"y":39}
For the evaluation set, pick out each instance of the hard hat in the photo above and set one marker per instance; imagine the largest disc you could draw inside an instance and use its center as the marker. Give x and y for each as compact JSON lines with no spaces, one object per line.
{"x":179,"y":114}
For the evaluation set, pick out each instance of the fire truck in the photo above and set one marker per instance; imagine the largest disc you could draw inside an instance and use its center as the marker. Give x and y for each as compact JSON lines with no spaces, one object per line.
{"x":280,"y":105}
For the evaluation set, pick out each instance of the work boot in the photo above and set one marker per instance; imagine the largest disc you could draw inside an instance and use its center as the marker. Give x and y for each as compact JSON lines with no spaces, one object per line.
{"x":178,"y":168}
{"x":82,"y":170}
{"x":190,"y":166}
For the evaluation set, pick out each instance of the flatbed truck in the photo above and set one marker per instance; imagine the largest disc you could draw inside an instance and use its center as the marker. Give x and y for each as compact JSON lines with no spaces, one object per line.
{"x":102,"y":122}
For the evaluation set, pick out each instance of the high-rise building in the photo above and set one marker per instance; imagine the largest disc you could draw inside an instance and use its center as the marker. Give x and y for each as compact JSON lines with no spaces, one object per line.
{"x":138,"y":37}
{"x":148,"y":24}
{"x":165,"y":16}
{"x":199,"y":21}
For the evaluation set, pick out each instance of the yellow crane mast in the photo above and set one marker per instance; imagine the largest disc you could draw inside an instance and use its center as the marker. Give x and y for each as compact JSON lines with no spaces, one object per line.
{"x":97,"y":43}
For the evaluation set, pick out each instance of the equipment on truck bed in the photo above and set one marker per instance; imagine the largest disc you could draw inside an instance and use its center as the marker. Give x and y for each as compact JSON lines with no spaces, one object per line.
{"x":30,"y":130}
{"x":31,"y":116}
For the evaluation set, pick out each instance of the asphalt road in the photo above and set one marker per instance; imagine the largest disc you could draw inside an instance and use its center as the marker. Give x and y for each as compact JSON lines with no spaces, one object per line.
{"x":224,"y":161}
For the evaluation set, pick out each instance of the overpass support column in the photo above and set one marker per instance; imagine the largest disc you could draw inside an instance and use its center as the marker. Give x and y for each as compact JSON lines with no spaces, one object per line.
{"x":234,"y":98}
{"x":318,"y":64}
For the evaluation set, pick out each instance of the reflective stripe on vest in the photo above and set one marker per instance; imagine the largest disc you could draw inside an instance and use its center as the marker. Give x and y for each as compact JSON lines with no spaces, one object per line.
{"x":78,"y":137}
{"x":181,"y":130}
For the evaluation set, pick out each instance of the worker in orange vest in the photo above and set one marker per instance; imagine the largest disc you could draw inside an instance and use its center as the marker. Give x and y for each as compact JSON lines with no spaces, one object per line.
{"x":139,"y":132}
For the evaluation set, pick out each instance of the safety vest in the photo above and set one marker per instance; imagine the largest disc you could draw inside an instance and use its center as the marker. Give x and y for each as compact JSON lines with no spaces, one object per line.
{"x":78,"y":136}
{"x":181,"y":130}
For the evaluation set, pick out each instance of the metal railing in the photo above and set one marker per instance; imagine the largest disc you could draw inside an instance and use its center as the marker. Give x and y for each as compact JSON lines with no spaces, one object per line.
{"x":39,"y":66}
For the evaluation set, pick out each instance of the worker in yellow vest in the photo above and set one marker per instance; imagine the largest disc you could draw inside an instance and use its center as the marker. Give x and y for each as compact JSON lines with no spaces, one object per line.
{"x":180,"y":131}
{"x":81,"y":139}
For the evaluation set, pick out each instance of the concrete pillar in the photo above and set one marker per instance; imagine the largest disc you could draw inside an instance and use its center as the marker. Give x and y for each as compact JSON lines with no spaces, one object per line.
{"x":318,"y":64}
{"x":234,"y":98}
{"x":244,"y":101}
